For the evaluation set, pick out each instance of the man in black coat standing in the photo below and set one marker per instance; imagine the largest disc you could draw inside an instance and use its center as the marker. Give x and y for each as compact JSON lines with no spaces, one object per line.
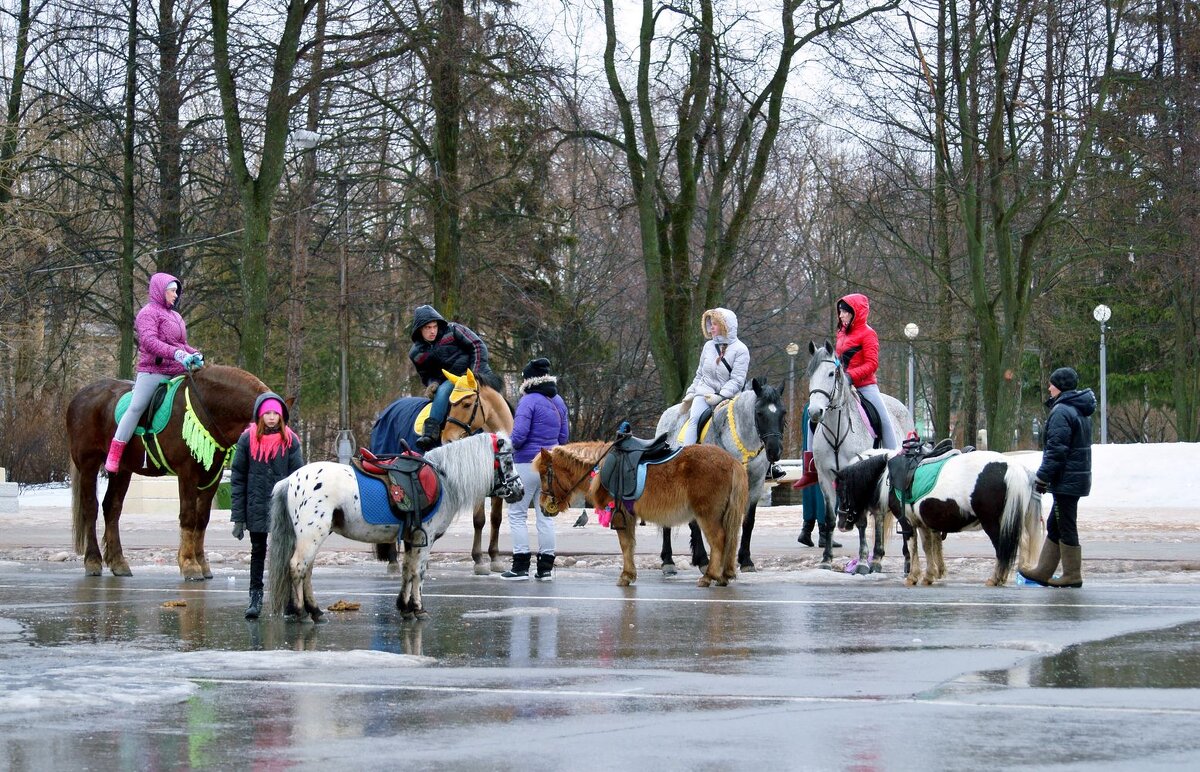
{"x":1066,"y":471}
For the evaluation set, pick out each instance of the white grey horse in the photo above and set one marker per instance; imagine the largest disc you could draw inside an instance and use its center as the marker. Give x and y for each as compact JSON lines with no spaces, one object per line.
{"x":320,"y":498}
{"x":840,"y":434}
{"x":750,"y":428}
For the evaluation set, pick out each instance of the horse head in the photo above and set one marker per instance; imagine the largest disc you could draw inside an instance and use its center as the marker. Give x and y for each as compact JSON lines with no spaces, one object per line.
{"x":858,"y":489}
{"x":507,"y":483}
{"x":770,"y":417}
{"x":826,"y":381}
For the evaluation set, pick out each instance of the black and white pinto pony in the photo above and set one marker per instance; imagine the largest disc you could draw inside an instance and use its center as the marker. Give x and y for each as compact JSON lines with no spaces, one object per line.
{"x":323,"y":498}
{"x":981,"y":489}
{"x":840,"y":435}
{"x":748,"y":427}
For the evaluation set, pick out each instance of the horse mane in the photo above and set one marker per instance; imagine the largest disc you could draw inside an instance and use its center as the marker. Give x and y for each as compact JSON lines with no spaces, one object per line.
{"x":862,"y":476}
{"x":211,"y":375}
{"x":822,"y":354}
{"x":466,"y":467}
{"x":581,"y":454}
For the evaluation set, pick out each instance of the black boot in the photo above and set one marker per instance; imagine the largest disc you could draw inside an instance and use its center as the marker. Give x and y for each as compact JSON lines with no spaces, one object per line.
{"x":805,"y":537}
{"x":255,"y":607}
{"x":520,"y":568}
{"x":431,"y":436}
{"x":775,"y":471}
{"x":824,"y":540}
{"x":545,"y":567}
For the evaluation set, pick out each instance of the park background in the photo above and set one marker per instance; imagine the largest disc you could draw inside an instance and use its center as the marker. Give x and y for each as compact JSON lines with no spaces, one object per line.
{"x":580,"y":180}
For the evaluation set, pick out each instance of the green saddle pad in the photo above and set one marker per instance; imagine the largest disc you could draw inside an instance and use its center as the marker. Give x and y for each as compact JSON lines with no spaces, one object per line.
{"x":925,"y":478}
{"x":162,"y":414}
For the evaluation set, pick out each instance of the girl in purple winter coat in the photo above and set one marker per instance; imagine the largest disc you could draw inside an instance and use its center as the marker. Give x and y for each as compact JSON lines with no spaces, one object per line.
{"x":163,"y":352}
{"x":540,"y":422}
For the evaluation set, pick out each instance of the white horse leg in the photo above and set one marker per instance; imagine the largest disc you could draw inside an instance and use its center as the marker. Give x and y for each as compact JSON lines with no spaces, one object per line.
{"x":409,"y":602}
{"x":308,"y":542}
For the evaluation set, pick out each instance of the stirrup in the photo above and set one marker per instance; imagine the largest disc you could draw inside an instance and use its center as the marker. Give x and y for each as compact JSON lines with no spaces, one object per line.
{"x":417,"y":538}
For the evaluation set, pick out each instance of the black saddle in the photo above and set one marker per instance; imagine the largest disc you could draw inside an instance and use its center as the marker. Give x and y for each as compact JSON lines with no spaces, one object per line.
{"x":619,"y":472}
{"x":412,"y":484}
{"x":903,"y":468}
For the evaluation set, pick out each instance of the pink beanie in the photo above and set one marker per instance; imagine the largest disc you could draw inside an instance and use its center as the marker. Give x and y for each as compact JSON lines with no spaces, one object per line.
{"x":271,"y":405}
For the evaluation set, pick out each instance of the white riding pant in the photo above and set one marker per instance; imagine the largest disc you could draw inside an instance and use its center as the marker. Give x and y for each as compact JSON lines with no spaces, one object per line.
{"x":143,"y":392}
{"x":693,"y":420}
{"x":517,"y":514}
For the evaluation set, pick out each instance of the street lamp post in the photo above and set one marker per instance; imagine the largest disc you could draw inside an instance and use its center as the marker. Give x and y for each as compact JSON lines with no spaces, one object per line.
{"x":911,"y":331}
{"x":1102,"y":314}
{"x":792,"y":350}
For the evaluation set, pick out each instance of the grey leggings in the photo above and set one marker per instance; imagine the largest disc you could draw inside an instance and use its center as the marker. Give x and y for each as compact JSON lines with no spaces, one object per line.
{"x":143,"y":391}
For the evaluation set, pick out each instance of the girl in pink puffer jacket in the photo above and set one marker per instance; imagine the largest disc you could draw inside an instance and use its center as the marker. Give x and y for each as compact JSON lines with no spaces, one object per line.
{"x":163,"y":352}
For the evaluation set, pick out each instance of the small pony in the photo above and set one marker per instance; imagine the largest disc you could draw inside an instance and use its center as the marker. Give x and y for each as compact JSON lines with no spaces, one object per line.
{"x":324,"y":497}
{"x":701,"y":483}
{"x":981,"y":489}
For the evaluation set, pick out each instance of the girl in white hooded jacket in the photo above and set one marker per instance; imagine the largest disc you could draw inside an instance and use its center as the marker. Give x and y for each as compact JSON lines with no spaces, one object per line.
{"x":721,"y":374}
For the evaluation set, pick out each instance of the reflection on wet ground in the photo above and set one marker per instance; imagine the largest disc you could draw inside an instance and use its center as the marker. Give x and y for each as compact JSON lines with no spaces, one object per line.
{"x":1159,"y":659}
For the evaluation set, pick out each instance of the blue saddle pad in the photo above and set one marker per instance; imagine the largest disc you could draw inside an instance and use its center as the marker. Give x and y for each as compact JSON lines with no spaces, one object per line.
{"x":641,"y":471}
{"x":373,"y":498}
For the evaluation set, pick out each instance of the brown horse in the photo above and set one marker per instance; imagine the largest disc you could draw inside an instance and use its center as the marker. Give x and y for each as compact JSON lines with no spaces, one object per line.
{"x":702,"y":483}
{"x":477,"y":406}
{"x":222,"y":401}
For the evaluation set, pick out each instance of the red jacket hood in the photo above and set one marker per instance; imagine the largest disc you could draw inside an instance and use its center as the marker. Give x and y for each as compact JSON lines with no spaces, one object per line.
{"x":862,"y":309}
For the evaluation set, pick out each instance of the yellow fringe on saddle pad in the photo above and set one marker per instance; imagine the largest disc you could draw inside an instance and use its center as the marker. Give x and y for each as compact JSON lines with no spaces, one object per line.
{"x":197,"y":439}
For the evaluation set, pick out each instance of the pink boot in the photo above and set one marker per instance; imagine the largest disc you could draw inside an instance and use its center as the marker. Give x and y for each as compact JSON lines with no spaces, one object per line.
{"x":113,"y":462}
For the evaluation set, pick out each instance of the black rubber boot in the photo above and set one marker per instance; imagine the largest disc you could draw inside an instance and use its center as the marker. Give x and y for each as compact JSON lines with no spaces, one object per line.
{"x":431,"y":436}
{"x":255,"y":607}
{"x":520,"y":569}
{"x":822,"y":541}
{"x":805,"y":537}
{"x":545,"y":567}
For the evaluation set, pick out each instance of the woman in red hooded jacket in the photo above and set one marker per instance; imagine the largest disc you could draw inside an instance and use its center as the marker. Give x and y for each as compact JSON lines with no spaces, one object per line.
{"x":858,"y":348}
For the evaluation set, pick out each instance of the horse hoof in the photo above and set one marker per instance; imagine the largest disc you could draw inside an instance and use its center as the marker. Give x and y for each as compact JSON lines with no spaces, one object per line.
{"x":669,"y":569}
{"x":421,"y":614}
{"x":498,"y":567}
{"x":862,"y":569}
{"x":482,"y":569}
{"x":826,"y":565}
{"x":702,"y":566}
{"x":747,"y":568}
{"x":704,"y":582}
{"x":876,"y":568}
{"x":120,"y":569}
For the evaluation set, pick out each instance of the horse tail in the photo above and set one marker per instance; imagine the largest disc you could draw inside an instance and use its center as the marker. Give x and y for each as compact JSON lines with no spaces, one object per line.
{"x":77,"y":525}
{"x":1033,"y":530}
{"x":731,"y":518}
{"x":283,"y":545}
{"x":1016,"y":502}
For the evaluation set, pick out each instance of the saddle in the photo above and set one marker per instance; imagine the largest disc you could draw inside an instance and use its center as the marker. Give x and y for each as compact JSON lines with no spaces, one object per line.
{"x":873,"y":418}
{"x":623,"y":472}
{"x":158,"y":412}
{"x":902,"y":469}
{"x":412,"y":484}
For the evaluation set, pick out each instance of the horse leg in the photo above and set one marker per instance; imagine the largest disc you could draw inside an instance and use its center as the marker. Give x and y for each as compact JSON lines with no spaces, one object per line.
{"x":667,"y":556}
{"x":84,"y":510}
{"x":826,"y":529}
{"x":743,"y":555}
{"x":914,"y":558}
{"x":938,"y":564}
{"x":700,"y":557}
{"x":880,"y":539}
{"x":718,"y":542}
{"x":494,"y":537}
{"x":204,"y":500}
{"x":114,"y":502}
{"x":863,"y":566}
{"x":627,"y":539}
{"x":189,"y":564}
{"x":478,"y":519}
{"x":932,"y":544}
{"x":310,"y":602}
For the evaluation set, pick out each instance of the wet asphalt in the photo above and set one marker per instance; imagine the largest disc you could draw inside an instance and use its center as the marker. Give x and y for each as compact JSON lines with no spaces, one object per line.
{"x":799,"y":670}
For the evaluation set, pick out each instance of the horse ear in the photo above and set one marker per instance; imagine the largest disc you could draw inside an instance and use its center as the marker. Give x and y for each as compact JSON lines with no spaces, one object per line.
{"x":757,"y":385}
{"x":290,"y":402}
{"x":812,"y":347}
{"x":828,"y":346}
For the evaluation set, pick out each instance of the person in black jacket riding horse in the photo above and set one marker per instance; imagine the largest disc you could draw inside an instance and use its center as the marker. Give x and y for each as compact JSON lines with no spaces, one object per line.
{"x":441,"y":345}
{"x":1066,"y":472}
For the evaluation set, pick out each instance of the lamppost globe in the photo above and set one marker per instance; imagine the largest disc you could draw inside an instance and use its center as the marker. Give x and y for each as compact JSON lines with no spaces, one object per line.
{"x":1102,"y":313}
{"x":792,"y":349}
{"x":911,"y":330}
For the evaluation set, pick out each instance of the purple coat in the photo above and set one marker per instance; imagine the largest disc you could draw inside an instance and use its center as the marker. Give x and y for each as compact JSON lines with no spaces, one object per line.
{"x":160,"y":331}
{"x":540,"y":422}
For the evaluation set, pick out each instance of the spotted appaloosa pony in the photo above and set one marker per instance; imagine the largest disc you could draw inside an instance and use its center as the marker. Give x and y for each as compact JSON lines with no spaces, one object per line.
{"x":981,"y":489}
{"x":222,"y":403}
{"x":702,"y":483}
{"x":323,"y":498}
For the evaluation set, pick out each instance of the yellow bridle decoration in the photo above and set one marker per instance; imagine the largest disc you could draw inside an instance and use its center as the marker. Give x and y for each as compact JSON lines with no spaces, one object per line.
{"x":737,"y":440}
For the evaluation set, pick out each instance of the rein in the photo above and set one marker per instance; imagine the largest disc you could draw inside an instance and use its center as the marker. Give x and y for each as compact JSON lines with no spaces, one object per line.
{"x":550,"y":495}
{"x":477,"y":408}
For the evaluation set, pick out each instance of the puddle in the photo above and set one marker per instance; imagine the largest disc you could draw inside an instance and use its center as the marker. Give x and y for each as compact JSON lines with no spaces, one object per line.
{"x":1158,"y":659}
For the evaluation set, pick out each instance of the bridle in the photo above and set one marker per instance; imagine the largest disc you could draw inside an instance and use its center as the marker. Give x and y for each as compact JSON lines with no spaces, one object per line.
{"x":478,"y":408}
{"x":502,"y":481}
{"x":552,"y":505}
{"x":835,"y":436}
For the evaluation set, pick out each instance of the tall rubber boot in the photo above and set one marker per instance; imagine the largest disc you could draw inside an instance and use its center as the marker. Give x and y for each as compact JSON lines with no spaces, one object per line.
{"x":1072,"y":563}
{"x":805,"y":536}
{"x":431,"y":436}
{"x":1047,"y":564}
{"x":810,"y":472}
{"x":113,"y":463}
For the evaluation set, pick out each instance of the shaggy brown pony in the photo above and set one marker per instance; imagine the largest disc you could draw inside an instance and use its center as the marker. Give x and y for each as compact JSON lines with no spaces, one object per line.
{"x":702,"y":483}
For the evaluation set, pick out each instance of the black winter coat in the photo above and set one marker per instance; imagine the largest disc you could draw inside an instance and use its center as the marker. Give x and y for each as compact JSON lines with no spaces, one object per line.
{"x":1067,"y":448}
{"x":455,"y":349}
{"x":252,"y":481}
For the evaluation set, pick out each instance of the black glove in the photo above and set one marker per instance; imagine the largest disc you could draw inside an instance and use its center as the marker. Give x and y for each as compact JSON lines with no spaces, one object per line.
{"x":239,"y":530}
{"x":1040,"y":485}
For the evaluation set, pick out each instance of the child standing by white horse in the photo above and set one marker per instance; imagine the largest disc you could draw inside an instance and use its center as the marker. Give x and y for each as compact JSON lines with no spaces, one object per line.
{"x":267,"y":452}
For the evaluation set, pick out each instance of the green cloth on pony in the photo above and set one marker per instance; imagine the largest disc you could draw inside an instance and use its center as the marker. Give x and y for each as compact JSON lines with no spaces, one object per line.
{"x":161,"y":416}
{"x":923,"y":481}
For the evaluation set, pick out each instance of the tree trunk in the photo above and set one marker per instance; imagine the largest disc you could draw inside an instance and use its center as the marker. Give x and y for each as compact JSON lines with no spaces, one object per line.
{"x":125,"y":276}
{"x":170,"y":137}
{"x":445,"y":79}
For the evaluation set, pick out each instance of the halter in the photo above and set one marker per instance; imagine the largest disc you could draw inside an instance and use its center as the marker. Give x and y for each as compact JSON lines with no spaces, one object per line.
{"x":551,"y":506}
{"x":501,"y":483}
